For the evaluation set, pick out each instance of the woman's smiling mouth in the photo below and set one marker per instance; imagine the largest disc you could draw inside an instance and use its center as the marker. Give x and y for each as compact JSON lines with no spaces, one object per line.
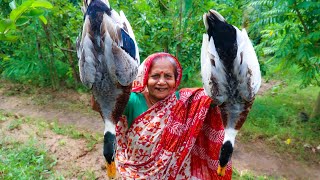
{"x":161,"y":89}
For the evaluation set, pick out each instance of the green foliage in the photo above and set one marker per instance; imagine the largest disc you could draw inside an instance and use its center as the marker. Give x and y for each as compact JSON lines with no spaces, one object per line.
{"x":31,"y":71}
{"x":286,"y":32}
{"x":21,"y":15}
{"x":26,"y":161}
{"x":18,"y":17}
{"x":172,"y":26}
{"x":176,"y":27}
{"x":42,"y":58}
{"x":289,"y":33}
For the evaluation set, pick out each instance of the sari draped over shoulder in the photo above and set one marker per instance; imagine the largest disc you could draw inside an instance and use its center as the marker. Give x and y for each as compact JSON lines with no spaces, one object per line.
{"x":174,"y":139}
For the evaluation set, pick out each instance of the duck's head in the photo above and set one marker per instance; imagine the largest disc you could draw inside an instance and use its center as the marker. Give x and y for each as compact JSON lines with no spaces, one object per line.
{"x":225,"y":156}
{"x":210,"y":16}
{"x":86,"y":3}
{"x":109,"y":149}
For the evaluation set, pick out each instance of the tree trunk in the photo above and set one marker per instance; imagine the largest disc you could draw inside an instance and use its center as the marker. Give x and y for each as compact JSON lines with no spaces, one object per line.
{"x":316,"y":110}
{"x":52,"y":70}
{"x":40,"y":57}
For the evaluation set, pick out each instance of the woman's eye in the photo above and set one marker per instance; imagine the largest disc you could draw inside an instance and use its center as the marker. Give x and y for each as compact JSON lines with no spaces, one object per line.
{"x":168,"y":76}
{"x":155,"y":76}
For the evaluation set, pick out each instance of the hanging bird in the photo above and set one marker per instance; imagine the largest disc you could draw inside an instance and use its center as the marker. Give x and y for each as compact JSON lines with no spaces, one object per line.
{"x":230,"y":75}
{"x":108,"y":63}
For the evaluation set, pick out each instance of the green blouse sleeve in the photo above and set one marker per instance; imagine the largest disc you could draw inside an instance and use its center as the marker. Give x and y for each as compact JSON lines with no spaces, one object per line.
{"x":135,"y":107}
{"x":177,"y":95}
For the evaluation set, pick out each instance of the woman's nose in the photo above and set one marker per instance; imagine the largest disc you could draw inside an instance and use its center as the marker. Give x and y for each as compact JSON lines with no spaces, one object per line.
{"x":162,"y":80}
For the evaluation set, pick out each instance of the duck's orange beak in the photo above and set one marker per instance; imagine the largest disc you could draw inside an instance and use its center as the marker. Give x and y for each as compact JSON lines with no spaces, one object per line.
{"x":221,"y":170}
{"x":111,"y":170}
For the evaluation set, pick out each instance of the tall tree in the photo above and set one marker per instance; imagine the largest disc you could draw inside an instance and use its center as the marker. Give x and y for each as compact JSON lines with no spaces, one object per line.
{"x":290,"y":32}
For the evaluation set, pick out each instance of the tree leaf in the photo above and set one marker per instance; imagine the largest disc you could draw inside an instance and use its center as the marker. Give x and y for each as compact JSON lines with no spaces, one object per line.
{"x":307,"y":5}
{"x":8,"y":38}
{"x":4,"y":56}
{"x":42,"y":3}
{"x":29,"y":5}
{"x":16,"y":13}
{"x":5,"y":24}
{"x":34,"y":13}
{"x":188,"y":6}
{"x":22,"y":21}
{"x":43,"y":19}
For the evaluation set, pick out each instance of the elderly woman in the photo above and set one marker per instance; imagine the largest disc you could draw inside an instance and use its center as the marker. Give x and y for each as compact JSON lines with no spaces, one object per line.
{"x":165,"y":133}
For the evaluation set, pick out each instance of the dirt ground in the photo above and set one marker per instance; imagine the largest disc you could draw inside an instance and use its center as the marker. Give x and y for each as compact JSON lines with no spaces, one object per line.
{"x":71,"y":108}
{"x":73,"y":158}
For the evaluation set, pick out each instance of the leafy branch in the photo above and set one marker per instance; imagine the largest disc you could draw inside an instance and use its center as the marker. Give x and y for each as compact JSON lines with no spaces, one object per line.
{"x":21,"y":15}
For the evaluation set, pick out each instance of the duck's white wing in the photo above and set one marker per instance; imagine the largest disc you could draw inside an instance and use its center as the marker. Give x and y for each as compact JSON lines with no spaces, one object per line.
{"x":253,"y":63}
{"x":212,"y":71}
{"x":247,"y":67}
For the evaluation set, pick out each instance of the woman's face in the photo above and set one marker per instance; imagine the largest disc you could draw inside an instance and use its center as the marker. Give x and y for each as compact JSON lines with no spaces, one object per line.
{"x":161,"y":81}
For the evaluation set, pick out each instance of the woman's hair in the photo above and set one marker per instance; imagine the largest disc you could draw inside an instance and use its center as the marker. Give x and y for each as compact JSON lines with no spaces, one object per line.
{"x":173,"y":62}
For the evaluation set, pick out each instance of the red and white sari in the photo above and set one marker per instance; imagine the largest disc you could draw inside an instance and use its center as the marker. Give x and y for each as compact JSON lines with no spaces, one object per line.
{"x":174,"y":139}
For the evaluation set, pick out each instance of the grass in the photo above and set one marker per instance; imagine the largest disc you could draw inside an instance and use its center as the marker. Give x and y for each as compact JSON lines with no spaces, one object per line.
{"x":24,"y":160}
{"x":280,"y":118}
{"x":247,"y":175}
{"x":31,"y":160}
{"x":15,"y":124}
{"x":3,"y":117}
{"x":71,"y":131}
